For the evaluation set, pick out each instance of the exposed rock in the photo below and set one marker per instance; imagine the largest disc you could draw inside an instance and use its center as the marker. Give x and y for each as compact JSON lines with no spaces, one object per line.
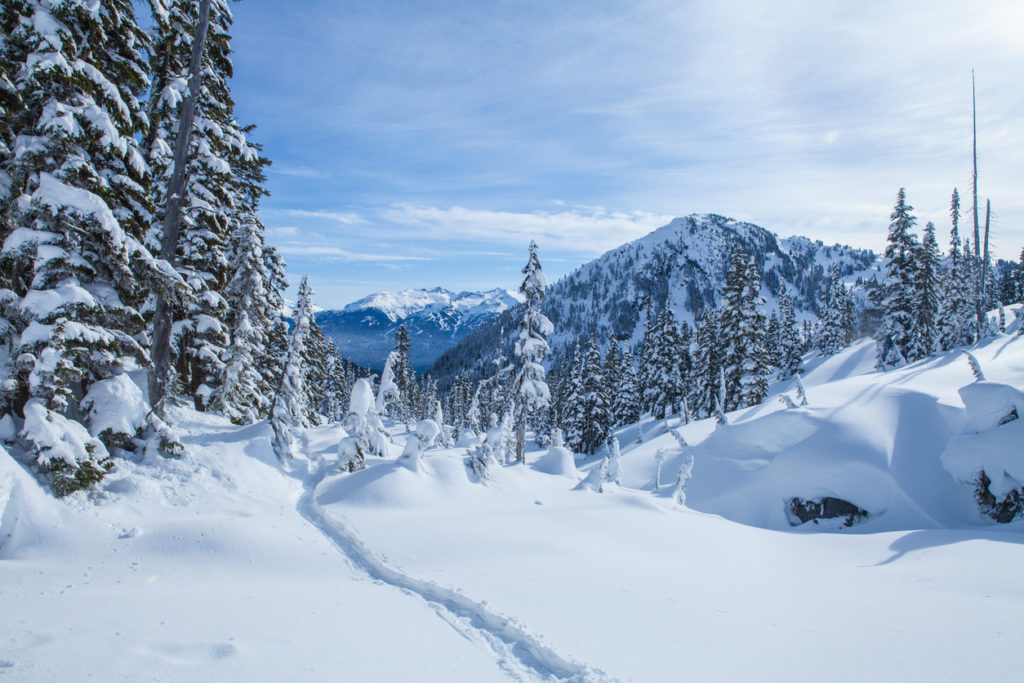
{"x":802,"y":511}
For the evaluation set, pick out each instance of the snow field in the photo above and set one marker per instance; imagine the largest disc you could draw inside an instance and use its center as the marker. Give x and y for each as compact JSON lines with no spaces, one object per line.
{"x":220,"y":566}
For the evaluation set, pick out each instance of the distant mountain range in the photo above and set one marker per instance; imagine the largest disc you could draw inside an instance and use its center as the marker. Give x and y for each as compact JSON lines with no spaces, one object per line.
{"x":682,"y":264}
{"x":436,"y":319}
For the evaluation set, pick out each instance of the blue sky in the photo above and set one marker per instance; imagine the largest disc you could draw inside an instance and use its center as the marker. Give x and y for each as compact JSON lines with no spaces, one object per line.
{"x":418,"y":144}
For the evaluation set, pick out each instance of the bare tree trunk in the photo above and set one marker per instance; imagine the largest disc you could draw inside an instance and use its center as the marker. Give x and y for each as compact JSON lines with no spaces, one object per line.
{"x":161,"y":349}
{"x":521,"y":437}
{"x":985,"y":257}
{"x":979,"y":284}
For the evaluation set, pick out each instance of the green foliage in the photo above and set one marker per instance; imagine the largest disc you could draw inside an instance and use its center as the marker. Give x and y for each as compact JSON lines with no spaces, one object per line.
{"x":66,"y":479}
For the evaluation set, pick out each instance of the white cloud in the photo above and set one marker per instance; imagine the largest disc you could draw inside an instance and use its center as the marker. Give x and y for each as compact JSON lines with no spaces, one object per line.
{"x":298,"y":171}
{"x":583,"y":230}
{"x":347,"y":218}
{"x":337,"y":254}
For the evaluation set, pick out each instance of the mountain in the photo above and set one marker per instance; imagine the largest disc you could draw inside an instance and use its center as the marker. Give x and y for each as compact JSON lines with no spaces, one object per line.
{"x":682,"y":264}
{"x":436,"y":319}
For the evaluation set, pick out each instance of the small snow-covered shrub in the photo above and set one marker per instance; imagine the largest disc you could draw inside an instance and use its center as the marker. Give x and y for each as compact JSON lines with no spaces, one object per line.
{"x":117,"y":411}
{"x":71,"y":457}
{"x":1003,"y":510}
{"x":986,"y":456}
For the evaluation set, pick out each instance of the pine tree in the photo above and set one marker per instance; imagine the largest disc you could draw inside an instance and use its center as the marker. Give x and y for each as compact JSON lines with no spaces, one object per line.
{"x":405,"y":379}
{"x":838,"y":316}
{"x":789,"y":344}
{"x":956,"y":307}
{"x":707,"y":366}
{"x":290,"y":409}
{"x":222,"y":168}
{"x":74,"y":271}
{"x":771,"y":338}
{"x":575,"y":418}
{"x":596,"y":412}
{"x":532,"y":393}
{"x":894,"y":334}
{"x":613,"y":375}
{"x":626,"y":401}
{"x":925,"y":333}
{"x":244,"y":389}
{"x":742,"y":331}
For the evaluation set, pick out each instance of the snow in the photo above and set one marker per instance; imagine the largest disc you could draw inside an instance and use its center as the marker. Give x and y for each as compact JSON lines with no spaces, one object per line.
{"x":117,"y":405}
{"x":362,"y":399}
{"x":43,"y":303}
{"x":55,"y":437}
{"x":400,"y":305}
{"x":220,"y":566}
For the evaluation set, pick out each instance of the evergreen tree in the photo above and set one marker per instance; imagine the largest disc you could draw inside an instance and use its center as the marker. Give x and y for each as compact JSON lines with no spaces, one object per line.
{"x":246,"y":384}
{"x":789,"y":343}
{"x":405,"y":379}
{"x":895,"y":331}
{"x":771,"y":339}
{"x":626,"y":402}
{"x":742,"y":331}
{"x":596,"y":412}
{"x":575,"y":417}
{"x":223,"y":168}
{"x":532,"y":393}
{"x":73,"y":210}
{"x":925,"y":333}
{"x":707,"y":366}
{"x":838,"y":316}
{"x":613,"y":374}
{"x":290,"y":409}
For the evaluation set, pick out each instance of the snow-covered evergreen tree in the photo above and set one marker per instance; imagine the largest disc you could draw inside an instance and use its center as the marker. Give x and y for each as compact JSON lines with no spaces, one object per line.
{"x":290,"y":409}
{"x":405,"y":408}
{"x":574,"y":419}
{"x":73,"y":210}
{"x":956,"y":307}
{"x":220,"y":170}
{"x":532,"y":393}
{"x":742,"y":331}
{"x":626,"y":401}
{"x":244,"y":389}
{"x":707,"y":366}
{"x":596,"y":404}
{"x":895,"y":331}
{"x":925,"y":333}
{"x":838,"y":316}
{"x":789,"y":345}
{"x":613,"y":374}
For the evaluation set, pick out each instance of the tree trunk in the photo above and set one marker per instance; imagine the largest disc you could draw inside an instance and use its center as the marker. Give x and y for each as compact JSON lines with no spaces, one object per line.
{"x":161,"y":349}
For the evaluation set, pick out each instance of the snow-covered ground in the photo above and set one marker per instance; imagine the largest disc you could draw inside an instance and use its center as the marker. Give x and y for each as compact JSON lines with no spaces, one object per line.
{"x":221,"y":566}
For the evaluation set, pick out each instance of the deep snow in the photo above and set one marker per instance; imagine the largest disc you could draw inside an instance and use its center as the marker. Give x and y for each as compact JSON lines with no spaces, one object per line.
{"x":221,"y":566}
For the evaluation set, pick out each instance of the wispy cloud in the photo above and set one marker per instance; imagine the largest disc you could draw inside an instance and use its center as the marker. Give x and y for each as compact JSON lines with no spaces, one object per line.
{"x":337,"y":254}
{"x":347,"y":218}
{"x":299,"y":171}
{"x":582,"y":230}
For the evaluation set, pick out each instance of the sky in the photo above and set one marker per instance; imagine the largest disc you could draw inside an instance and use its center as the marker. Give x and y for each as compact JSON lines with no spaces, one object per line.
{"x":423,"y":144}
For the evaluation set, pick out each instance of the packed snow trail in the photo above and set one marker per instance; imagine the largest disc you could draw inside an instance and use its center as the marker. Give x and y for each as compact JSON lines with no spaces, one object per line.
{"x":520,"y":654}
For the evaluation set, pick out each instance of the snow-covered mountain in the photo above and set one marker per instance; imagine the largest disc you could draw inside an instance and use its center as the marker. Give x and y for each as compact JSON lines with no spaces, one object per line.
{"x":436,"y":319}
{"x":682,"y":264}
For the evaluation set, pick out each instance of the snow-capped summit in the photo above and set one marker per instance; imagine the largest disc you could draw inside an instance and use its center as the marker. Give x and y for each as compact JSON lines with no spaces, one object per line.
{"x":436,"y":319}
{"x":682,"y":265}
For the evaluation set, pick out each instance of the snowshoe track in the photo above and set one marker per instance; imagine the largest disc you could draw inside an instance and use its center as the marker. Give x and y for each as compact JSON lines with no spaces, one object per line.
{"x":520,"y":654}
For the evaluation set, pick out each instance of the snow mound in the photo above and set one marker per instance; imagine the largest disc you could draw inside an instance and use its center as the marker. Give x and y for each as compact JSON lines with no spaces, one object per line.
{"x":992,"y":440}
{"x":559,"y":461}
{"x":116,"y":406}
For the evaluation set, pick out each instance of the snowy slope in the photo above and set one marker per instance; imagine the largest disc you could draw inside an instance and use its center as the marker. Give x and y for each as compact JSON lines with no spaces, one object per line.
{"x":203,"y":570}
{"x":221,"y":566}
{"x":436,"y":319}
